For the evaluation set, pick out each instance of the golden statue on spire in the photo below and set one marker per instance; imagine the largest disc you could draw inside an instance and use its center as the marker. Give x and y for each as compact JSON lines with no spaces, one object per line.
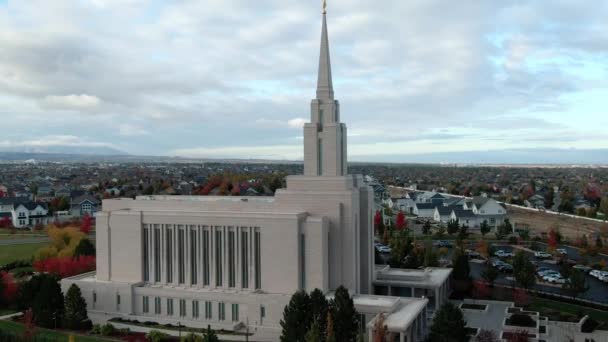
{"x":324,"y":6}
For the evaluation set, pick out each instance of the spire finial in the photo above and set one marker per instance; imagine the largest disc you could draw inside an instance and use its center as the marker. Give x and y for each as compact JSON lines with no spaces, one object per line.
{"x":324,"y":6}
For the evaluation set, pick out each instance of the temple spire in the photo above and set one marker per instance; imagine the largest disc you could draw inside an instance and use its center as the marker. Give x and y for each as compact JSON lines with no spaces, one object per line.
{"x":325,"y":89}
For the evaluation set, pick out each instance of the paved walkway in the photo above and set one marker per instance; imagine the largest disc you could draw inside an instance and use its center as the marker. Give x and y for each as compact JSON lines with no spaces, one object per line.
{"x":16,"y":314}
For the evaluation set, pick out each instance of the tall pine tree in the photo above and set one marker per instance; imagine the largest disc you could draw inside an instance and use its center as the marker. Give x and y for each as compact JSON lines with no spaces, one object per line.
{"x":319,"y":307}
{"x":448,"y":325}
{"x":345,"y":317}
{"x":296,"y":318}
{"x":75,"y":308}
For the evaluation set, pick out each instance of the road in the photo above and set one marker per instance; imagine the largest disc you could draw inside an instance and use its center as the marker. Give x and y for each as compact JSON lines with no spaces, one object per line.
{"x":23,"y":241}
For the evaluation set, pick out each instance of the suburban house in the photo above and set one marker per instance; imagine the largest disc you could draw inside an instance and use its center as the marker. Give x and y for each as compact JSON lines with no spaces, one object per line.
{"x":488,"y":209}
{"x":24,"y":213}
{"x":84,"y":204}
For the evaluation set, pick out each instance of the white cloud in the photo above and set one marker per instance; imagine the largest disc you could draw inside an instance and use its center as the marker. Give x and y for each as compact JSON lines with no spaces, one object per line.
{"x":296,"y":123}
{"x":74,"y":102}
{"x":130,"y":130}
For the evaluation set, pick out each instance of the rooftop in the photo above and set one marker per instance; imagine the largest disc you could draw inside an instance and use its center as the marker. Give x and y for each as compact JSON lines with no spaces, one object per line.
{"x":429,"y":277}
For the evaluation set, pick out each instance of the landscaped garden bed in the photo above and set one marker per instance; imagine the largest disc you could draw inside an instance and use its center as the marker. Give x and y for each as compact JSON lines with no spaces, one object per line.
{"x":471,"y":306}
{"x":155,"y":325}
{"x":521,"y":320}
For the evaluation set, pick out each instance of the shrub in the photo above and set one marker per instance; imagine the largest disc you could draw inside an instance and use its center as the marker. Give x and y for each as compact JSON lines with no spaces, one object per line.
{"x":107,"y":330}
{"x":521,"y":320}
{"x":192,"y":337}
{"x":150,"y":323}
{"x":513,"y":240}
{"x":589,"y":325}
{"x":157,"y":336}
{"x":96,"y":329}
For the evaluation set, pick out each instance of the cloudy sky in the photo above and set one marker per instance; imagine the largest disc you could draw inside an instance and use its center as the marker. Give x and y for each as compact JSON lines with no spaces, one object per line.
{"x":233,"y":78}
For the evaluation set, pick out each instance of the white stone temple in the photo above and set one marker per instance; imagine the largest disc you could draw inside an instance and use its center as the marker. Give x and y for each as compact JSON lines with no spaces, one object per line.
{"x":234,"y":262}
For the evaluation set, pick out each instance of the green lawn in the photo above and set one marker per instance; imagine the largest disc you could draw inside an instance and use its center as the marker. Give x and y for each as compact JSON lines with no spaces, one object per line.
{"x":15,"y":327}
{"x":543,"y":305}
{"x":9,"y":253}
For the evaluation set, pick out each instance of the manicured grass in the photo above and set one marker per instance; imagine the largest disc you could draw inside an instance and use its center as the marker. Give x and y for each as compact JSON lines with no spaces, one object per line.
{"x":14,"y":327}
{"x":18,"y":236}
{"x":9,"y":253}
{"x":544,"y":305}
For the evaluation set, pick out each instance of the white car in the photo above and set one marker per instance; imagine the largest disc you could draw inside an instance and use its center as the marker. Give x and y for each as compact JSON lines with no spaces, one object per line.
{"x":503,"y":254}
{"x":562,"y":251}
{"x":600,"y":275}
{"x":554,"y":279}
{"x":542,"y":255}
{"x":549,"y":273}
{"x":384,"y":249}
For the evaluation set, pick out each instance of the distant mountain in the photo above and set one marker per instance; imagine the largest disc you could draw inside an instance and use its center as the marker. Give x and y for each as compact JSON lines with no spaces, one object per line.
{"x":534,"y":156}
{"x":65,"y":149}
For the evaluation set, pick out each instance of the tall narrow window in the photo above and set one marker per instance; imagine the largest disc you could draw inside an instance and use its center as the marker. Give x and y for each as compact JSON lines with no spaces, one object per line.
{"x":157,"y":308}
{"x":235,"y":312}
{"x":170,"y":306}
{"x":146,"y":254}
{"x":208,"y":310}
{"x":182,"y":308}
{"x":221,"y":309}
{"x":258,"y":261}
{"x":218,"y":258}
{"x":146,"y":304}
{"x":231,"y":260}
{"x":244,"y":259}
{"x":206,"y":251}
{"x":320,"y":157}
{"x":321,"y":116}
{"x":169,"y":251}
{"x":193,"y":259}
{"x":302,"y":261}
{"x":156,"y":254}
{"x":181,"y":251}
{"x":195,"y":308}
{"x":118,"y":301}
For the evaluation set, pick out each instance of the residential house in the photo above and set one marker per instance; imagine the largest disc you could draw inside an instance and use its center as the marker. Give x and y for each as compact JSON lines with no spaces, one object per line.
{"x":490,"y":210}
{"x":84,"y":204}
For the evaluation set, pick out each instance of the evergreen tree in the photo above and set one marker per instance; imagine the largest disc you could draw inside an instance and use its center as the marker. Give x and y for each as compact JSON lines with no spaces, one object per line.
{"x":319,"y":308}
{"x":489,"y":274}
{"x":523,"y":271}
{"x":330,"y":335}
{"x":426,"y":228}
{"x":210,"y":335}
{"x":453,"y":226}
{"x":576,"y":283}
{"x":463,"y":232}
{"x":296,"y":318}
{"x":84,"y":247}
{"x":29,"y":289}
{"x":314,"y":333}
{"x":75,"y":308}
{"x":48,"y":305}
{"x":345,"y":317}
{"x":448,"y":325}
{"x":430,"y":256}
{"x":461,"y":274}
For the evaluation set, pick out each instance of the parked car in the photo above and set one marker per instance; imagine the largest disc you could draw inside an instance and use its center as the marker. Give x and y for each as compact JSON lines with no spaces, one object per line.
{"x":443,"y":243}
{"x":549,"y":273}
{"x":561,"y":251}
{"x":502,"y":254}
{"x":554,"y":279}
{"x":543,"y":269}
{"x":472,"y":254}
{"x":542,"y":255}
{"x":506,"y":268}
{"x":384,"y":249}
{"x":583,"y":268}
{"x":600,"y":275}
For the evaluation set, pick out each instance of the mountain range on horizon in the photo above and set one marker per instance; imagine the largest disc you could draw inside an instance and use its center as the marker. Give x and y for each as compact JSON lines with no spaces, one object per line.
{"x":540,"y":156}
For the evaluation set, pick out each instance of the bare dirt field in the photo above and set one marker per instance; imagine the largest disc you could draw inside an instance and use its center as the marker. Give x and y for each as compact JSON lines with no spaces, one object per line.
{"x":542,"y":222}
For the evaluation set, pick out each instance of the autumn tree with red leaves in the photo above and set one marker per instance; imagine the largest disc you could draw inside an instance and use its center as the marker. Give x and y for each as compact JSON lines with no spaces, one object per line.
{"x":380,"y":329}
{"x":29,"y":328}
{"x":518,"y":336}
{"x":481,"y":290}
{"x":378,"y":223}
{"x":8,"y":288}
{"x":85,"y":225}
{"x":552,"y":240}
{"x":66,"y":266}
{"x":401,"y":222}
{"x":6,"y":222}
{"x":521,"y":297}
